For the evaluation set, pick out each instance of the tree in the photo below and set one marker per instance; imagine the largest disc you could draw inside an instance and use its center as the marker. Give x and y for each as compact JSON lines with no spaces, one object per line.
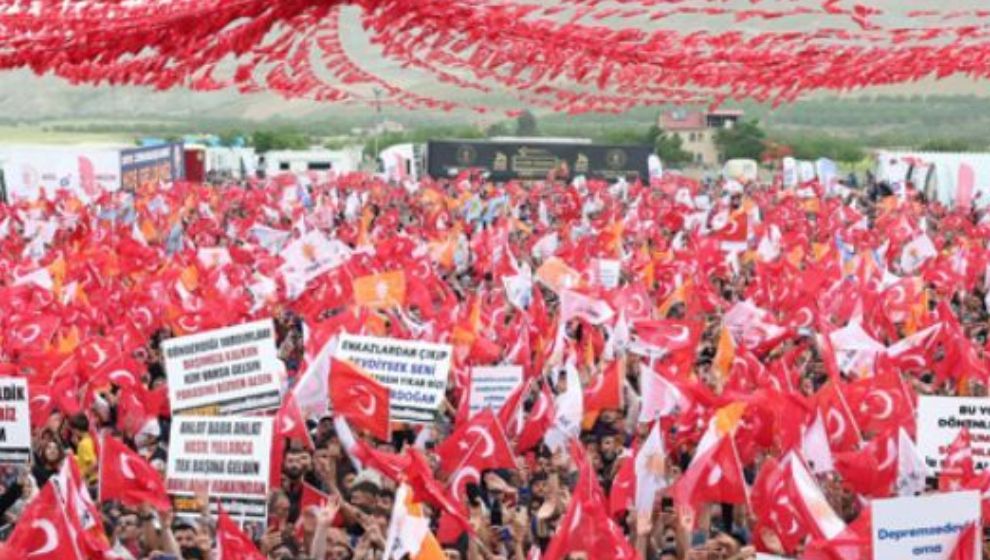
{"x":497,"y":129}
{"x":623,"y":136}
{"x":946,"y":145}
{"x":526,"y":124}
{"x":287,"y":139}
{"x":669,"y":148}
{"x":836,"y":149}
{"x":231,"y":138}
{"x":744,"y":140}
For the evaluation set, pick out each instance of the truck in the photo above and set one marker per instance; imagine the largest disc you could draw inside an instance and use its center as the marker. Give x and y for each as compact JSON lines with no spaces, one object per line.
{"x":29,"y":172}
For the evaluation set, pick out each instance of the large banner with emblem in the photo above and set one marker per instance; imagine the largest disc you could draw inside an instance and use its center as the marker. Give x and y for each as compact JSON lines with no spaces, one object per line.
{"x":506,"y":161}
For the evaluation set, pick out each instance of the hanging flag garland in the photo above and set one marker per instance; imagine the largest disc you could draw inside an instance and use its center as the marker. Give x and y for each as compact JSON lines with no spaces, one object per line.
{"x":571,"y":56}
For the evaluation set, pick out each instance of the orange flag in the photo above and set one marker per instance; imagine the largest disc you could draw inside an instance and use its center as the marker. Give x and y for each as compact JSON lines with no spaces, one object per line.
{"x":380,"y":290}
{"x":724,"y":354}
{"x":556,"y":275}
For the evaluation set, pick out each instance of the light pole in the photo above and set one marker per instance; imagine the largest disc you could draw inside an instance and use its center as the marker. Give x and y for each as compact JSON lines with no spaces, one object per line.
{"x":378,"y":109}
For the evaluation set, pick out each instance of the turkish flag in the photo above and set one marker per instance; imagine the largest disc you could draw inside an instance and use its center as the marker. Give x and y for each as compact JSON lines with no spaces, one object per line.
{"x":127,"y":477}
{"x":41,"y":404}
{"x":623,"y":490}
{"x":634,"y":300}
{"x":43,"y":530}
{"x":605,"y":392}
{"x":359,"y":398}
{"x":731,"y":226}
{"x":510,"y":414}
{"x":879,"y":405}
{"x":232,"y":543}
{"x":666,"y":336}
{"x":586,"y":527}
{"x":538,"y":421}
{"x":959,"y":469}
{"x":871,"y":470}
{"x":966,"y":546}
{"x":480,"y":443}
{"x":81,"y":512}
{"x":311,"y":497}
{"x":714,"y":476}
{"x":289,"y":424}
{"x":425,"y":488}
{"x":843,"y":432}
{"x":771,"y":507}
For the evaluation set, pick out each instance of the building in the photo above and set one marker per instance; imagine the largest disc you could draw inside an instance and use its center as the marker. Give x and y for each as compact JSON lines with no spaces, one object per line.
{"x":697,"y":129}
{"x":383,"y":127}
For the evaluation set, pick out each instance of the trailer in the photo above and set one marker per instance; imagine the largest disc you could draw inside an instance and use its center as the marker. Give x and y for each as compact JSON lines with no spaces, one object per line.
{"x":347,"y":160}
{"x":33,"y":172}
{"x":401,"y":162}
{"x":948,"y":177}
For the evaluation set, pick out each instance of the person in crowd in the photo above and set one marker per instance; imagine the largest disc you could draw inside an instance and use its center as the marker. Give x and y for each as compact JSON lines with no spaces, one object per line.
{"x":464,"y":246}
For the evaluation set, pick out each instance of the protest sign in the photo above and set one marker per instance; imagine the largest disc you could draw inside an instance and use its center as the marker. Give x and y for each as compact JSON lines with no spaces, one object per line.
{"x":226,"y":457}
{"x":940,"y":419}
{"x":224,"y":371}
{"x":15,"y":422}
{"x":923,"y":527}
{"x":490,"y":386}
{"x":608,"y":272}
{"x":415,"y":372}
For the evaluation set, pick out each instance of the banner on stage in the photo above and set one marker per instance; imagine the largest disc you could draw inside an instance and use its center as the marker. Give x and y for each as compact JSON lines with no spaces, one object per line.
{"x":225,"y":371}
{"x":226,"y":458}
{"x":492,"y":385}
{"x":415,"y":372}
{"x":923,"y":527}
{"x":940,"y":419}
{"x":15,"y":422}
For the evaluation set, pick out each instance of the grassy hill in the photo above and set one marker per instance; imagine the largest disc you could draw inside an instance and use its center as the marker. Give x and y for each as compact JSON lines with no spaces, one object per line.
{"x":42,"y":109}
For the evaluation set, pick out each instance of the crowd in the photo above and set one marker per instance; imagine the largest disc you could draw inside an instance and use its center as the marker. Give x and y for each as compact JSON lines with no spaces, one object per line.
{"x":713,"y":395}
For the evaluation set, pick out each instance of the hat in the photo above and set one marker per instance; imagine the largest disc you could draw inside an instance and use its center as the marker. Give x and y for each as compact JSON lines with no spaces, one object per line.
{"x":183,"y":523}
{"x":151,"y":429}
{"x":367,"y":477}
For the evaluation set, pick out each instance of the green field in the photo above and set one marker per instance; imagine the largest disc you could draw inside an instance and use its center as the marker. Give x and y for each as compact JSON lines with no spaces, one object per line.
{"x":43,"y":134}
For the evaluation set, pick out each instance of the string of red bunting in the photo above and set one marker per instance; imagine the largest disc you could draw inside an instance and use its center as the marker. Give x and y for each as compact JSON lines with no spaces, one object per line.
{"x":568,"y":55}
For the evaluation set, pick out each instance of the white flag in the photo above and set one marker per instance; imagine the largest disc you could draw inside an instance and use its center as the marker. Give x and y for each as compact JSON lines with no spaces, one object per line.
{"x":650,"y":472}
{"x":916,"y":252}
{"x":570,"y":411}
{"x":911,"y":469}
{"x":311,"y":392}
{"x":660,"y":397}
{"x":814,"y":445}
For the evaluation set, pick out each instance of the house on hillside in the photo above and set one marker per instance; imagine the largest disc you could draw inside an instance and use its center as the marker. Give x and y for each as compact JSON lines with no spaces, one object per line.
{"x":697,"y":129}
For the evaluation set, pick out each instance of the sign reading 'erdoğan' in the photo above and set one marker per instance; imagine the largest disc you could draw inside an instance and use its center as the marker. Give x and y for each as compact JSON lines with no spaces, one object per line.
{"x":415,"y":372}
